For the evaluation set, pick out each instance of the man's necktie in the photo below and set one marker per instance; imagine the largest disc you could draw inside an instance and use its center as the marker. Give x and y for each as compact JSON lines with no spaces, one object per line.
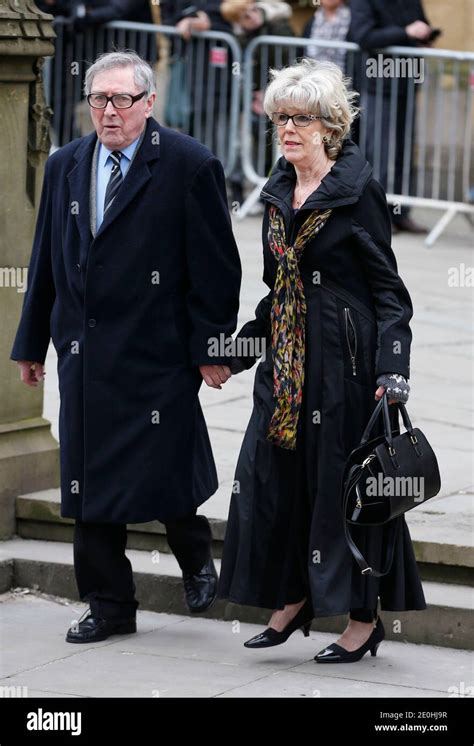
{"x":115,"y":181}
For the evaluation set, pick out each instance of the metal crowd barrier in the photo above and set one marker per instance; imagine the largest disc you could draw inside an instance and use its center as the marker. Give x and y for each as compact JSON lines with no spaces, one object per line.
{"x":415,"y":124}
{"x":417,"y":134}
{"x":203,"y":75}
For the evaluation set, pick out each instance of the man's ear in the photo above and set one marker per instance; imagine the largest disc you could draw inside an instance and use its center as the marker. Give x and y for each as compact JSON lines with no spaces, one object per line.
{"x":150,"y":101}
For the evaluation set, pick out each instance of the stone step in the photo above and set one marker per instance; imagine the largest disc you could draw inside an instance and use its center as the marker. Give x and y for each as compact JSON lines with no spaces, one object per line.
{"x":443,"y":555}
{"x":47,"y":566}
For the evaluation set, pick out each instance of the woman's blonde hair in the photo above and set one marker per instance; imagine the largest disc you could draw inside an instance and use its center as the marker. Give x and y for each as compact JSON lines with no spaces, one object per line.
{"x":315,"y":87}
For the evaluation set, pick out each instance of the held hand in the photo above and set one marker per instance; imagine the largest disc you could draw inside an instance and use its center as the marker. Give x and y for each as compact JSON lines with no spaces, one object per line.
{"x":31,"y":373}
{"x":380,"y":392}
{"x":418,"y":30}
{"x":215,"y":375}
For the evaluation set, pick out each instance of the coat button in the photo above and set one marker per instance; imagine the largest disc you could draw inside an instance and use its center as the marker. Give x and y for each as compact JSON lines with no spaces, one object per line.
{"x":92,"y":322}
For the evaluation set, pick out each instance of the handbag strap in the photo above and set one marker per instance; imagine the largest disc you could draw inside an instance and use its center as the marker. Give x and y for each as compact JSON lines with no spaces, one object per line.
{"x":355,"y":474}
{"x":370,"y":425}
{"x":405,"y":417}
{"x":382,"y":406}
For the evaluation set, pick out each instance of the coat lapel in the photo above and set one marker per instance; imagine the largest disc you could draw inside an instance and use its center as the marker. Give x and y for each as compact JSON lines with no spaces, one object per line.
{"x":79,"y":185}
{"x":137,"y":175}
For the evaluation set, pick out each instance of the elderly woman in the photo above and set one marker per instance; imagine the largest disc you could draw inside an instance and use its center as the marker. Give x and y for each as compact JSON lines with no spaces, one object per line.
{"x":336,"y":328}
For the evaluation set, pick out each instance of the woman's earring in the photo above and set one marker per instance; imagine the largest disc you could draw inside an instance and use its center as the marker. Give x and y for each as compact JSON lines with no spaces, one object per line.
{"x":325,"y":138}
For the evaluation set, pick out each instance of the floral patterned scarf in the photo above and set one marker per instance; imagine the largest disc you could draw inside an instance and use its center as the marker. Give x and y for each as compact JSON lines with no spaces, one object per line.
{"x":288,"y":316}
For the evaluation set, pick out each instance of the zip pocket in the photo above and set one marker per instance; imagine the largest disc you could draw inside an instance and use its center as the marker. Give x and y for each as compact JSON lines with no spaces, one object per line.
{"x":351,"y":331}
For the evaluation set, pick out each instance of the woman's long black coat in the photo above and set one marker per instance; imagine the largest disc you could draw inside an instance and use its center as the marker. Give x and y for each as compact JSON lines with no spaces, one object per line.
{"x":358,"y":272}
{"x":131,"y":313}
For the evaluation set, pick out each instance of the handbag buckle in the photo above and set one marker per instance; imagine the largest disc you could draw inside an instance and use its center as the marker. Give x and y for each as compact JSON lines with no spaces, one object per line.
{"x":369,"y":458}
{"x":366,"y":570}
{"x":414,"y":439}
{"x":391,"y":451}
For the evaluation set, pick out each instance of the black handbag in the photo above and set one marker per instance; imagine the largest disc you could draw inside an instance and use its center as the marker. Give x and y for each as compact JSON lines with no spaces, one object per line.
{"x":385,"y":477}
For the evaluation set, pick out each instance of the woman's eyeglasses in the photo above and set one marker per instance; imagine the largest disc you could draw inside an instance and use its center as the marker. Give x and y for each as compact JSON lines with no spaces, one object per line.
{"x":299,"y":120}
{"x":119,"y":100}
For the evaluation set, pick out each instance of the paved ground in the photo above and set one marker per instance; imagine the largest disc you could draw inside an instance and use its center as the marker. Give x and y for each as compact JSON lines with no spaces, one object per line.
{"x":179,"y":656}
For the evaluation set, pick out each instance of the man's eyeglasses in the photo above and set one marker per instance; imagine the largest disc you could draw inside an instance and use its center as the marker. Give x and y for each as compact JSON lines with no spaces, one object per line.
{"x":299,"y":120}
{"x":119,"y":100}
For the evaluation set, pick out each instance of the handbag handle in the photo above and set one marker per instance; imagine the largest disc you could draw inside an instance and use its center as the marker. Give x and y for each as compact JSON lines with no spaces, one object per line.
{"x":371,"y":422}
{"x":382,"y":406}
{"x":405,"y":417}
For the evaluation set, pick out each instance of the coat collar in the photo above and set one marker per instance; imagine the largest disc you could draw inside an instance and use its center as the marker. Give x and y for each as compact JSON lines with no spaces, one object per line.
{"x":137,"y":175}
{"x":343,"y":185}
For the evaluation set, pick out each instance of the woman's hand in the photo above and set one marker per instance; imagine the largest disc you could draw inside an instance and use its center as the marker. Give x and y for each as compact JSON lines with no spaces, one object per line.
{"x":396,"y":386}
{"x":380,"y":392}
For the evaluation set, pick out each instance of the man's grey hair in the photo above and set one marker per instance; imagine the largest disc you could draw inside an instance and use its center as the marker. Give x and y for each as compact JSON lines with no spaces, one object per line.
{"x":142,"y":72}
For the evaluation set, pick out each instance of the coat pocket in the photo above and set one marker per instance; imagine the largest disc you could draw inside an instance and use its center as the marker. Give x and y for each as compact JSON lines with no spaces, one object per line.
{"x":356,"y":342}
{"x":351,"y":338}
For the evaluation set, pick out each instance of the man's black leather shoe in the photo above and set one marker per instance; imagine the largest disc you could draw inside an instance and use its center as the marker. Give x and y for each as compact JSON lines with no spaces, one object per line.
{"x":95,"y":629}
{"x":200,"y":589}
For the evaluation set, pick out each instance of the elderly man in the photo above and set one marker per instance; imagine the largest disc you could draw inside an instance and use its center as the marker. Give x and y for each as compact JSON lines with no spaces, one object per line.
{"x":134,"y":274}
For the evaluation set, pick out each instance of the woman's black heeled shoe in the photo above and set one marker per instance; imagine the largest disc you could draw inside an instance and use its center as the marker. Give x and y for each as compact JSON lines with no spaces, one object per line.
{"x":337,"y":654}
{"x":270,"y":637}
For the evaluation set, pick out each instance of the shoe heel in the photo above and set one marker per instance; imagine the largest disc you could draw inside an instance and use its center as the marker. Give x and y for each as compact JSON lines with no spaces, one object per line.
{"x":306,"y":628}
{"x":373,"y":651}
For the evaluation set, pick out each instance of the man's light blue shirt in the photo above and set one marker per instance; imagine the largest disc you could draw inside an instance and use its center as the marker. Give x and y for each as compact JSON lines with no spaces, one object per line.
{"x":104,"y":169}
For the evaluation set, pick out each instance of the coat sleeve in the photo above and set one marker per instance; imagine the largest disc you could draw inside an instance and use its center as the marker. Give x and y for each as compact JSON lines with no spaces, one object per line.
{"x":33,"y":334}
{"x":393,"y":307}
{"x":213,"y":264}
{"x":114,"y":10}
{"x":172,"y":13}
{"x":366,"y":31}
{"x":247,"y":341}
